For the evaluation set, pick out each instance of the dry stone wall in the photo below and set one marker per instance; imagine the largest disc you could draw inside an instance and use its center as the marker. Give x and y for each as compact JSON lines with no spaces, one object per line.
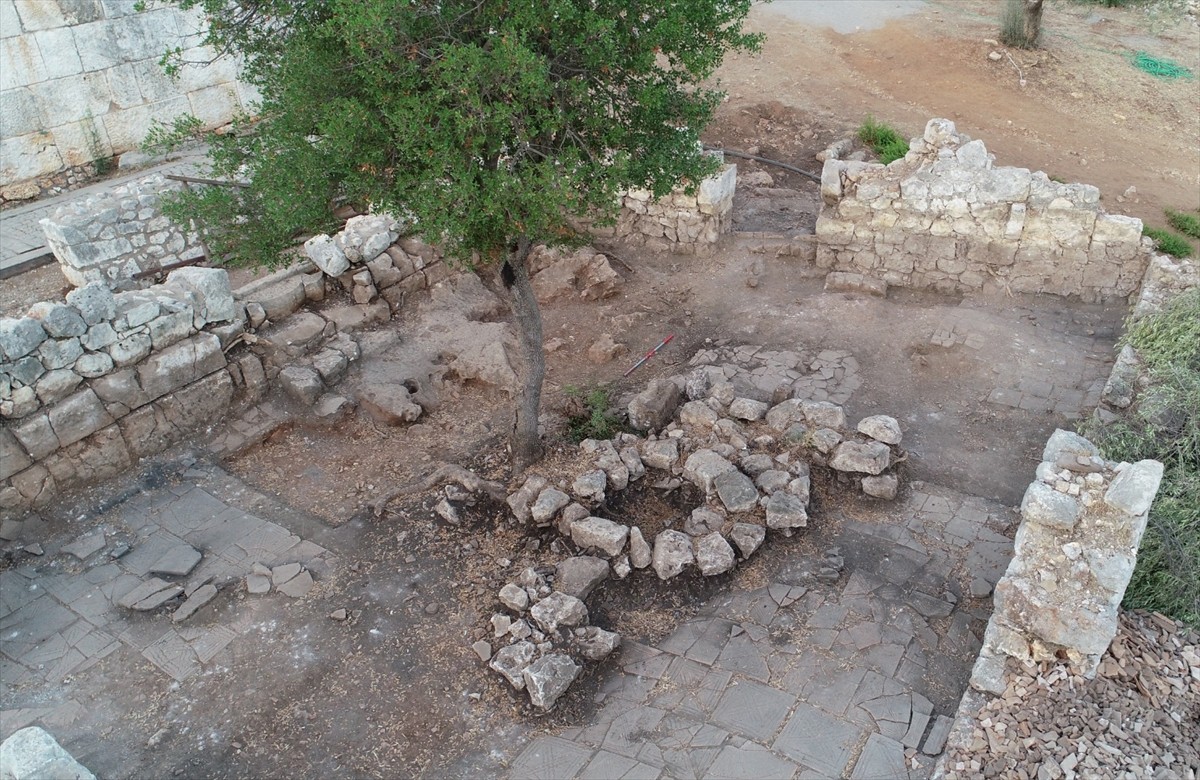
{"x":81,"y":81}
{"x":944,"y":217}
{"x":687,"y":224}
{"x":1082,"y":520}
{"x":117,"y":234}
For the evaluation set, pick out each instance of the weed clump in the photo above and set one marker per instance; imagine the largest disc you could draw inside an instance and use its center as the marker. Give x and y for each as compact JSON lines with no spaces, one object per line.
{"x":883,"y":139}
{"x":1165,"y":426}
{"x":1168,"y":243}
{"x":1015,"y":30}
{"x":1185,"y":222}
{"x":595,"y":419}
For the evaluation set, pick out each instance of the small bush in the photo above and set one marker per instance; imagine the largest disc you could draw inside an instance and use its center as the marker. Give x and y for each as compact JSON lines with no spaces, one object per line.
{"x":1012,"y":26}
{"x":1186,"y":223}
{"x":883,"y":139}
{"x":596,"y":421}
{"x":1165,"y":426}
{"x":1168,"y":243}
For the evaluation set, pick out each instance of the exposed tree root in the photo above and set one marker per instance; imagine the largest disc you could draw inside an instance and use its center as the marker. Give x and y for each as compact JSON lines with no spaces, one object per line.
{"x":446,"y":472}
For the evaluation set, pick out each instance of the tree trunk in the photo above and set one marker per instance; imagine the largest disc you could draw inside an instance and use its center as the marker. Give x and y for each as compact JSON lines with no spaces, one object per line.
{"x":514,"y":275}
{"x":1033,"y":21}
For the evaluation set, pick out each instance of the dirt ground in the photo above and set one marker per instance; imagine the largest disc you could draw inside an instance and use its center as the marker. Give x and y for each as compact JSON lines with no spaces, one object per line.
{"x":395,"y":690}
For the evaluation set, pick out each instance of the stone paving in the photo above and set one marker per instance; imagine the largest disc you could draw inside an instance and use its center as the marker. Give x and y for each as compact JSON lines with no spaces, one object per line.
{"x":801,"y":679}
{"x":60,"y":612}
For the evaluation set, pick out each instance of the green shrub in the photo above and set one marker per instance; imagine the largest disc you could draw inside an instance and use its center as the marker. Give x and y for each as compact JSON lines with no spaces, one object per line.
{"x":1168,"y":243}
{"x":597,"y":422}
{"x":883,"y":139}
{"x":1165,"y":426}
{"x":1185,"y":222}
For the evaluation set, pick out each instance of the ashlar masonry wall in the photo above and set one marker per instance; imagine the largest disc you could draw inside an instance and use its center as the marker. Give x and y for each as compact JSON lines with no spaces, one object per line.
{"x":944,"y":217}
{"x":80,"y":80}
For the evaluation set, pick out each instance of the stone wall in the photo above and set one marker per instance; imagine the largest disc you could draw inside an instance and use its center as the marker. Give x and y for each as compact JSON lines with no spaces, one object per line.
{"x":80,"y":80}
{"x":1082,"y":520}
{"x":944,"y":217}
{"x":118,"y":233}
{"x":681,"y":223}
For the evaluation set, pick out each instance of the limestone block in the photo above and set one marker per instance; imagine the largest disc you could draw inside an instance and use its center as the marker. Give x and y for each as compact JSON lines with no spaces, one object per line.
{"x":703,"y":467}
{"x":1117,"y":229}
{"x":559,"y":609}
{"x":548,"y":678}
{"x":869,"y":458}
{"x":653,"y":408}
{"x":748,"y":537}
{"x":59,"y":320}
{"x":94,"y":301}
{"x":1135,"y":487}
{"x":32,"y":753}
{"x":20,"y":336}
{"x":881,"y":427}
{"x":121,"y":388}
{"x":78,"y":416}
{"x":13,"y":457}
{"x":600,"y":534}
{"x":211,"y":286}
{"x":1067,"y":442}
{"x":181,"y":364}
{"x":672,"y":553}
{"x":102,"y":455}
{"x":713,"y":555}
{"x":1046,"y":506}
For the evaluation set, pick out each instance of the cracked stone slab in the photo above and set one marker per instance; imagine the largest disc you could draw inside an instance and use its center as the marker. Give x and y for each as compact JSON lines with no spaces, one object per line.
{"x":85,"y":545}
{"x":298,"y":586}
{"x":177,"y":561}
{"x":198,"y":598}
{"x":151,"y":594}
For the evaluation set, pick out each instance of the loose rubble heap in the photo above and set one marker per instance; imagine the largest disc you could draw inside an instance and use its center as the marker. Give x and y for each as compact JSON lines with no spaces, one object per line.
{"x":749,"y":459}
{"x":1082,"y":521}
{"x":1135,"y":719}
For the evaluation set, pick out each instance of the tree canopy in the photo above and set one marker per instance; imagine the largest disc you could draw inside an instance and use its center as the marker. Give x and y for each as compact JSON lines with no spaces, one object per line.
{"x":480,"y":120}
{"x":486,"y":125}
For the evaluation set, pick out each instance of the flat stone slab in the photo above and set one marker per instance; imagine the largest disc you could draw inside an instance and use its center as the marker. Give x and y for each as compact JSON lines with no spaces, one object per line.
{"x":151,"y":594}
{"x":33,"y":753}
{"x":202,"y":595}
{"x":177,"y":561}
{"x":298,"y":586}
{"x":85,"y":545}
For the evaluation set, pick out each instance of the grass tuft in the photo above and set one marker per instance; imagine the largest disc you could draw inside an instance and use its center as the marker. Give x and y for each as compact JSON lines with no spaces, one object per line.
{"x":1165,"y":426}
{"x":597,"y":421}
{"x":883,"y":139}
{"x":1168,"y":243}
{"x":1185,"y":222}
{"x":1012,"y":26}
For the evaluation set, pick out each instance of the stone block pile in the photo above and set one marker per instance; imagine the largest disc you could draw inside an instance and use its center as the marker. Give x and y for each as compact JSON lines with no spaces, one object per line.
{"x":1082,"y":520}
{"x":944,"y":217}
{"x":749,"y":460}
{"x":117,"y":233}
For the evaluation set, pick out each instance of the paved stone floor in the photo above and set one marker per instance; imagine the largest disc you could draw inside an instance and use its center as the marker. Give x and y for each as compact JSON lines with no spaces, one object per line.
{"x":801,"y":679}
{"x":59,"y":613}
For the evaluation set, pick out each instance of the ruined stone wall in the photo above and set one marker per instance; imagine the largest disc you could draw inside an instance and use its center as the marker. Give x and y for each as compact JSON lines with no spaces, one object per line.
{"x":80,"y":80}
{"x":1082,"y":520}
{"x":688,"y":224}
{"x":944,"y":217}
{"x":118,"y":233}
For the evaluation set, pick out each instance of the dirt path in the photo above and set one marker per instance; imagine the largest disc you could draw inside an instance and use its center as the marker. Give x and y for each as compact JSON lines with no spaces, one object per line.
{"x":1085,"y":113}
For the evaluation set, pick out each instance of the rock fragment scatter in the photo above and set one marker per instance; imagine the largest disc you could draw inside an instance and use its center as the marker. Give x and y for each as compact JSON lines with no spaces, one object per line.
{"x":743,"y":430}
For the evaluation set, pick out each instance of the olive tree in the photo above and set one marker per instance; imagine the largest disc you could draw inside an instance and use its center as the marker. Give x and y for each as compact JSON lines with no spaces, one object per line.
{"x":487,"y":126}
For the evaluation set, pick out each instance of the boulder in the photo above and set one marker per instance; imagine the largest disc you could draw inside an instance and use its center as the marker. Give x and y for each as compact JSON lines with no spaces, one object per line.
{"x":32,"y":753}
{"x":512,"y":661}
{"x":590,"y":485}
{"x":736,"y":491}
{"x":595,"y":643}
{"x":773,"y":480}
{"x":548,"y":678}
{"x":703,"y":467}
{"x":604,"y":349}
{"x":783,"y":415}
{"x":747,"y":409}
{"x":519,"y":502}
{"x":1134,"y":488}
{"x":388,"y":404}
{"x":672,"y":552}
{"x":881,"y":427}
{"x":660,"y":454}
{"x":714,"y":555}
{"x":580,"y":575}
{"x":640,"y":554}
{"x":1044,"y":505}
{"x":703,"y":521}
{"x":698,"y":414}
{"x":748,"y":537}
{"x":596,"y":533}
{"x":785,"y":512}
{"x":756,"y":464}
{"x":632,"y":462}
{"x":514,"y":597}
{"x":548,"y":504}
{"x":884,"y":486}
{"x":654,"y":407}
{"x":558,"y":609}
{"x":863,"y":458}
{"x":823,"y":414}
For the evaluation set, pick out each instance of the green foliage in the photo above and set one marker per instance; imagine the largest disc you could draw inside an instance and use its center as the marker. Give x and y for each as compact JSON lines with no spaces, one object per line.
{"x":163,"y":138}
{"x":478,"y":121}
{"x":1185,"y":222}
{"x":1012,"y":26}
{"x":1165,"y":425}
{"x":598,"y":422}
{"x":1168,"y":243}
{"x":883,"y":139}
